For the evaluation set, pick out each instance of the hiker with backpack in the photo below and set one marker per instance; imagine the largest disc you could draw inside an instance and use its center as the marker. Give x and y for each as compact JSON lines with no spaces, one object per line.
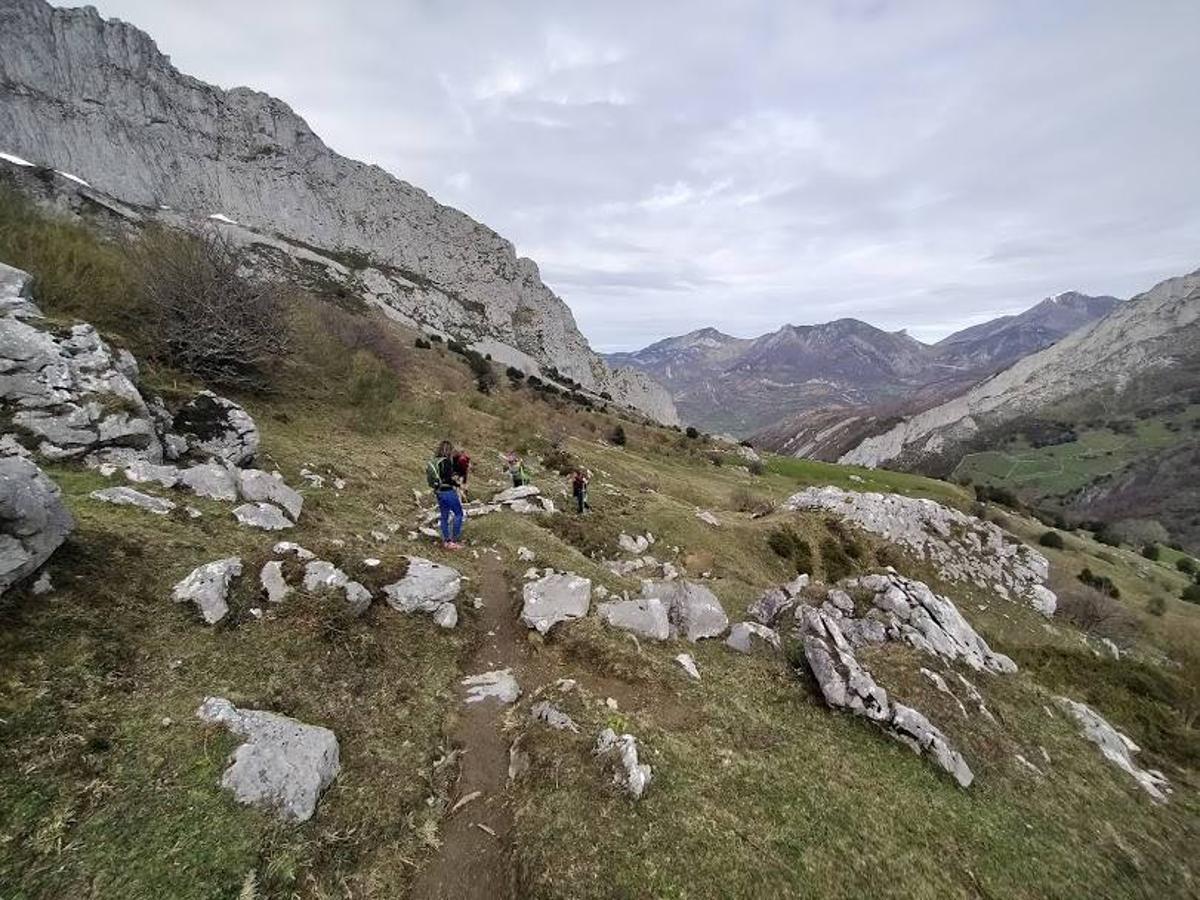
{"x":515,"y":467}
{"x":444,"y":479}
{"x":579,"y":488}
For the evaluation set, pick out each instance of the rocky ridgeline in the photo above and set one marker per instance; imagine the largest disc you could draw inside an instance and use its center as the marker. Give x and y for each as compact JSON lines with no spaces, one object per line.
{"x":96,"y":98}
{"x":961,"y":547}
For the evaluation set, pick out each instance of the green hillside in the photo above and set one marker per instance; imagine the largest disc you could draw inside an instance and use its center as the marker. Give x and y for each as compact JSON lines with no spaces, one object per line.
{"x":109,"y":785}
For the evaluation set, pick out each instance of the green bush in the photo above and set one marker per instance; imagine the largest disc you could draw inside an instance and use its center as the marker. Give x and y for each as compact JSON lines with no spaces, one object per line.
{"x":1156,"y":605}
{"x":1102,"y":583}
{"x":692,"y":432}
{"x":1051,"y":539}
{"x":788,"y":544}
{"x":618,"y":436}
{"x":1186,"y":565}
{"x":1191,"y":593}
{"x":1150,"y":551}
{"x":422,"y":344}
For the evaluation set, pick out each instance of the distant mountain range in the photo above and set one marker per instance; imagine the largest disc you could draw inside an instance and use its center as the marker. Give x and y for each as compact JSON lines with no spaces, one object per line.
{"x":743,"y":386}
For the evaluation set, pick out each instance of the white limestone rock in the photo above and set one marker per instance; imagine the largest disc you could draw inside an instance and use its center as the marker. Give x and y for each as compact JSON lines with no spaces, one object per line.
{"x":127,"y":496}
{"x":694,"y":611}
{"x":256,"y":485}
{"x":207,"y":586}
{"x":217,"y":428}
{"x":553,"y":598}
{"x":213,"y":480}
{"x":630,"y":775}
{"x":266,"y":516}
{"x":744,"y":637}
{"x":34,"y":521}
{"x":688,"y":664}
{"x":1116,"y":747}
{"x":643,"y":616}
{"x":284,"y":765}
{"x":322,"y":575}
{"x":273,"y":583}
{"x":498,"y":684}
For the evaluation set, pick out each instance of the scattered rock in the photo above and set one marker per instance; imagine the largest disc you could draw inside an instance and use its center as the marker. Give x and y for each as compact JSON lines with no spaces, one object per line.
{"x":692,"y":609}
{"x":211,"y":480}
{"x":688,"y":664}
{"x":742,"y":637}
{"x":266,"y":516}
{"x":524,"y":554}
{"x":127,"y":496}
{"x":255,"y":485}
{"x":144,"y":472}
{"x":43,"y":585}
{"x":940,"y":683}
{"x":207,"y":586}
{"x":633,"y":777}
{"x":1112,"y":649}
{"x":34,"y":521}
{"x":513,"y":494}
{"x":284,"y":547}
{"x":774,"y":602}
{"x":546,"y":712}
{"x":499,"y":684}
{"x":555,"y":598}
{"x":426,"y":587}
{"x":218,"y":428}
{"x":708,"y":518}
{"x":284,"y":765}
{"x":272,"y":581}
{"x":321,"y":575}
{"x":960,"y":547}
{"x":633,"y":545}
{"x":645,"y":616}
{"x":1116,"y":747}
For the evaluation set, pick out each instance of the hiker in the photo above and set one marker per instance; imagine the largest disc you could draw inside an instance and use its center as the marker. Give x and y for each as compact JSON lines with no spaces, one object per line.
{"x":515,"y":467}
{"x":442,"y":477}
{"x":579,"y":485}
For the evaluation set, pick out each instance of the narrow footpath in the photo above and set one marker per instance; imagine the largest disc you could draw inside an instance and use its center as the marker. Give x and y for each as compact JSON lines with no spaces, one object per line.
{"x":475,"y":859}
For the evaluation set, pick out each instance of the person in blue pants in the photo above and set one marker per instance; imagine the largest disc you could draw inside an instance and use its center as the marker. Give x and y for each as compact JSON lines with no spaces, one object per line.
{"x":444,"y":479}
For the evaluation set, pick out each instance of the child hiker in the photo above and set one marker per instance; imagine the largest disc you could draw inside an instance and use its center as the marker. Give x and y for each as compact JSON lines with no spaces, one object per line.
{"x":515,"y":467}
{"x":444,"y":479}
{"x":579,"y":485}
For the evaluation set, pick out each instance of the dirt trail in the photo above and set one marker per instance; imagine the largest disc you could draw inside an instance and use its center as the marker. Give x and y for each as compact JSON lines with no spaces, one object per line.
{"x":472,"y":862}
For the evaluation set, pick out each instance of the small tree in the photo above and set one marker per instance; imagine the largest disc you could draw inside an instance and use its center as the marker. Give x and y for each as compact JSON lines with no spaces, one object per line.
{"x":206,"y":319}
{"x":1051,"y":539}
{"x":618,"y":436}
{"x":1150,"y":551}
{"x":692,"y":432}
{"x":1186,"y":565}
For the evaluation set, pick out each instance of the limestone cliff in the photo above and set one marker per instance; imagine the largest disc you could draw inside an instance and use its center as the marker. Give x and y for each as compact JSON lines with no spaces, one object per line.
{"x":97,"y":99}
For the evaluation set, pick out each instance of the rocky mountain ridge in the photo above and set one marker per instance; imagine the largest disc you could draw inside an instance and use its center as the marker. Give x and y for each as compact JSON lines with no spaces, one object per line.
{"x":799,"y":380}
{"x":97,"y":99}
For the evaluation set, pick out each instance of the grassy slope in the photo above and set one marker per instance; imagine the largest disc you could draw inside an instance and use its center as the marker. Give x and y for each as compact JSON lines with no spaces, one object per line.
{"x":758,"y":789}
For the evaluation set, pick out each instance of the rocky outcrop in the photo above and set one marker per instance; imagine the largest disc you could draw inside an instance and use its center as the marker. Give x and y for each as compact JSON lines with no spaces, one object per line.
{"x":66,"y":390}
{"x":33,"y":519}
{"x":961,"y":547}
{"x":97,"y":98}
{"x":217,"y":428}
{"x":693,"y":610}
{"x":283,"y":765}
{"x":846,"y":685}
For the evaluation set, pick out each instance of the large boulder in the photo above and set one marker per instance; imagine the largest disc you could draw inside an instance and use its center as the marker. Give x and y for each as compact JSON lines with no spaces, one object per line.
{"x":217,"y":428}
{"x":745,"y":637}
{"x":33,"y":519}
{"x":426,"y":587}
{"x":557,"y":597}
{"x":644,"y":616}
{"x":694,"y":611}
{"x":67,"y":389}
{"x":266,"y":516}
{"x":283,"y":766}
{"x":256,"y":485}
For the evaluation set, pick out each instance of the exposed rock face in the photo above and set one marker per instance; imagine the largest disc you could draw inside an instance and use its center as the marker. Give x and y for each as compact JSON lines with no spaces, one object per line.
{"x":97,"y":98}
{"x":68,"y":390}
{"x":216,"y":427}
{"x":902,"y":609}
{"x":962,"y":547}
{"x":284,"y":765}
{"x":846,"y":685}
{"x":555,"y":598}
{"x":1148,"y":332}
{"x":774,"y":602}
{"x":630,"y":775}
{"x":33,"y":519}
{"x":1116,"y":747}
{"x":207,"y":586}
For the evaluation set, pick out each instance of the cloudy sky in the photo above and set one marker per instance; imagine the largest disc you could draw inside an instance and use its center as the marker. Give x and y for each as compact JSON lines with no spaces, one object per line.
{"x":919,"y":165}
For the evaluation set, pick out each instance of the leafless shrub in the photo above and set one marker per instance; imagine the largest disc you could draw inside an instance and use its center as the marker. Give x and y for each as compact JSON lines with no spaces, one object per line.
{"x":744,"y":500}
{"x":1096,"y":613}
{"x":206,"y":318}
